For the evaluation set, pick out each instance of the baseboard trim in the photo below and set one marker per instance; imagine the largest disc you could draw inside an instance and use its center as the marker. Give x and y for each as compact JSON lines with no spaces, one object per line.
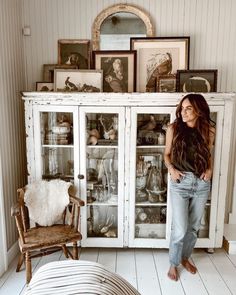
{"x":229,"y":246}
{"x":229,"y":241}
{"x":12,"y":252}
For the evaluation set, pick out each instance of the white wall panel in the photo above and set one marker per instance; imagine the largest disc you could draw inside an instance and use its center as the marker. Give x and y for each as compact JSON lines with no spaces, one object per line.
{"x":209,"y":23}
{"x":12,"y":139}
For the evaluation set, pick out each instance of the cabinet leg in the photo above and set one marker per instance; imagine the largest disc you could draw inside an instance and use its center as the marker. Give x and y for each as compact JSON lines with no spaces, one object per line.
{"x":210,"y":250}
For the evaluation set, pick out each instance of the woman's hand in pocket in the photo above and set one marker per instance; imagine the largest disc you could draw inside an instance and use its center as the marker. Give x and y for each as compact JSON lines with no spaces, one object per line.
{"x":175,"y":174}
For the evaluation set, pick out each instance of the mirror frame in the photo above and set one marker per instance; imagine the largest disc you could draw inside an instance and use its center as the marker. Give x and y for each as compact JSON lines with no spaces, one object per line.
{"x":96,"y":28}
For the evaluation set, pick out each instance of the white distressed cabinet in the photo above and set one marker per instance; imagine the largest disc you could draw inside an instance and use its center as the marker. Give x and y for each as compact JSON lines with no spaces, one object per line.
{"x":111,"y":147}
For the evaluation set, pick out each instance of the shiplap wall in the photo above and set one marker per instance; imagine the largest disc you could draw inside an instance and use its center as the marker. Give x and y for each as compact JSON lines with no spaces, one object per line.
{"x":12,"y":139}
{"x":211,"y":25}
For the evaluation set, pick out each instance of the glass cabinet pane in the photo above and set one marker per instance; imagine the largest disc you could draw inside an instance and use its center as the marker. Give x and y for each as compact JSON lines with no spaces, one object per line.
{"x":204,"y":230}
{"x":57,"y":162}
{"x":102,"y":175}
{"x":57,"y":151}
{"x":151,"y":176}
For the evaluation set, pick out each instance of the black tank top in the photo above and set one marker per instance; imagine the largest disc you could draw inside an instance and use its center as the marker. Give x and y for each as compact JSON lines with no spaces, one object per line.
{"x":191,"y":138}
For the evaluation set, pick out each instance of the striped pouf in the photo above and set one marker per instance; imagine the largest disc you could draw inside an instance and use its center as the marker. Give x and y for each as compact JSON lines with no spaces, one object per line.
{"x":78,"y":277}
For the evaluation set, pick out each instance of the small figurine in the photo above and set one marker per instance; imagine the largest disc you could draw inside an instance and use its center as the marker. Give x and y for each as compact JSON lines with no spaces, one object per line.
{"x":93,"y":136}
{"x":150,"y":125}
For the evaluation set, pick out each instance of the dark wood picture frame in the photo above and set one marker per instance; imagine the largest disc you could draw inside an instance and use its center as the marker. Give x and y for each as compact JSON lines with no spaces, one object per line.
{"x":119,"y":69}
{"x":166,"y":83}
{"x":44,"y":86}
{"x":48,"y":70}
{"x":196,"y":80}
{"x":74,"y":52}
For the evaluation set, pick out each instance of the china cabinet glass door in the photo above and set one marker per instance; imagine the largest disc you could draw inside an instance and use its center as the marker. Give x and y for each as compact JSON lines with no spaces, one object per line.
{"x":149,"y":204}
{"x":55,"y":139}
{"x":150,"y":208}
{"x":208,"y":228}
{"x":102,"y":159}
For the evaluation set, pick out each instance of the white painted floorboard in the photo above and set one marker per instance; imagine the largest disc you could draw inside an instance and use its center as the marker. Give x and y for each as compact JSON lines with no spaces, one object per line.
{"x":146,"y":270}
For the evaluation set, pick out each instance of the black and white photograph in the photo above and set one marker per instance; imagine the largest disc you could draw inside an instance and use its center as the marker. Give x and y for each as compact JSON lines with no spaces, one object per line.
{"x":196,"y":81}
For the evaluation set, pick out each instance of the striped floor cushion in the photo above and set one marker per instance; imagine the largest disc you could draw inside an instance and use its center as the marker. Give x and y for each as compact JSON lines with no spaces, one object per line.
{"x":78,"y":277}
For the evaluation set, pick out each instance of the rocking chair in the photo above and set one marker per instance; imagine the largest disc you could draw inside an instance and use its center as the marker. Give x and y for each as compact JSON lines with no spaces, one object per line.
{"x":43,"y":240}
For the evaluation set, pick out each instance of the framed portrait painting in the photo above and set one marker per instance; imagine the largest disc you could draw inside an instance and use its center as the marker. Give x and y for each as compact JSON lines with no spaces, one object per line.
{"x":74,"y":52}
{"x":44,"y":86}
{"x":119,"y":69}
{"x":196,"y":81}
{"x":159,"y":56}
{"x":78,"y":80}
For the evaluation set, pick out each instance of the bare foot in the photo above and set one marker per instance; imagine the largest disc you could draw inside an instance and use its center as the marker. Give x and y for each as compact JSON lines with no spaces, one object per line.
{"x":188,"y":266}
{"x":173,"y":273}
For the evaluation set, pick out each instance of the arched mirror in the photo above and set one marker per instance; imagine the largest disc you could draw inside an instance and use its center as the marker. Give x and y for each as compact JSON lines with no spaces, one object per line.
{"x":114,"y":26}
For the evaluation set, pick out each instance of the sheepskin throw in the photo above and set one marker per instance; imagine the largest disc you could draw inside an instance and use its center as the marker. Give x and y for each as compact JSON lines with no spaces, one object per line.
{"x":46,"y":200}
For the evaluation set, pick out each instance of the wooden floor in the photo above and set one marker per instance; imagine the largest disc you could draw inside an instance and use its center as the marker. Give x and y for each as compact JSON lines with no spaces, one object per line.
{"x":146,"y":270}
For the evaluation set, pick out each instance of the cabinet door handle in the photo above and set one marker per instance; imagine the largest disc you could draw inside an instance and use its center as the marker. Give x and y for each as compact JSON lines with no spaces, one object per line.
{"x":80,"y":176}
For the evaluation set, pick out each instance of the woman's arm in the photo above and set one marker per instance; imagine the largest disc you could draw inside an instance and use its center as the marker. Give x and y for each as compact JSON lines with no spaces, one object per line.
{"x":175,"y":174}
{"x":208,"y":173}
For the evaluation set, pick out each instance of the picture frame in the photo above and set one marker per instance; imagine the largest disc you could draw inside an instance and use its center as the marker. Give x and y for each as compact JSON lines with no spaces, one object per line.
{"x":166,"y":83}
{"x":159,"y":56}
{"x":44,"y":86}
{"x":119,"y":69}
{"x":74,"y":52}
{"x":196,"y":80}
{"x":48,"y":71}
{"x":78,"y":80}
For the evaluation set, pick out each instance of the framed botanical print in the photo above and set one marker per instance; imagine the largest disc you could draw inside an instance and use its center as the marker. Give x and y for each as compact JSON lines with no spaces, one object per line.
{"x":44,"y":86}
{"x":74,"y":52}
{"x":159,"y":56}
{"x":78,"y":80}
{"x":119,"y":69}
{"x":196,"y":81}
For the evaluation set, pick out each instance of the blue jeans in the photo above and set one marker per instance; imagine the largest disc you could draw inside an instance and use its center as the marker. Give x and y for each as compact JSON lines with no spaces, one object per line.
{"x":188,"y":200}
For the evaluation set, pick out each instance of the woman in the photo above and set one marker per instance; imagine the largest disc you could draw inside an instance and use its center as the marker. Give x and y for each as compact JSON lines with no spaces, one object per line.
{"x":188,"y":158}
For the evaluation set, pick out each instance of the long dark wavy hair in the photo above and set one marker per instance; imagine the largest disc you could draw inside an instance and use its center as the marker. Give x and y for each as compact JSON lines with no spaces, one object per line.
{"x":203,"y":128}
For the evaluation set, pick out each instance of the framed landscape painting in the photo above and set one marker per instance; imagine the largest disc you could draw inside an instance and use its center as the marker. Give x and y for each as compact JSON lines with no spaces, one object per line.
{"x":166,"y":83}
{"x":196,"y":81}
{"x":119,"y":69}
{"x":78,"y":80}
{"x":74,"y":52}
{"x":159,"y":56}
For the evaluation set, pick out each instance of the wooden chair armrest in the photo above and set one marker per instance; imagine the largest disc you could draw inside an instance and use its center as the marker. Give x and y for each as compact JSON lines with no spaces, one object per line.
{"x":77,"y":201}
{"x":15,"y":210}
